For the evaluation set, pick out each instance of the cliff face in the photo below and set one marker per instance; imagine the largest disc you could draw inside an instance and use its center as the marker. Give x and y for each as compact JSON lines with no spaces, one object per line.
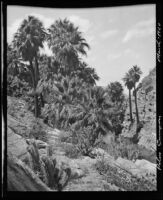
{"x":146,"y":98}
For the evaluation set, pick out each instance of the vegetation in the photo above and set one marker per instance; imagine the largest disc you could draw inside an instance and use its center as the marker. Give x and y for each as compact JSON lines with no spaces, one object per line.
{"x":47,"y":169}
{"x":129,"y":84}
{"x":135,"y":75}
{"x":130,"y":80}
{"x":37,"y":131}
{"x":117,"y":111}
{"x":61,"y":91}
{"x":125,"y":181}
{"x":61,"y":88}
{"x":27,"y":40}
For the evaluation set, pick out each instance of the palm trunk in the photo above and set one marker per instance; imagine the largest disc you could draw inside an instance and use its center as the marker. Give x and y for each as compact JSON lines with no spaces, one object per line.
{"x":37,"y":79}
{"x":136,"y":106}
{"x":42,"y":100}
{"x":36,"y":70}
{"x":130,"y":104}
{"x":34,"y":87}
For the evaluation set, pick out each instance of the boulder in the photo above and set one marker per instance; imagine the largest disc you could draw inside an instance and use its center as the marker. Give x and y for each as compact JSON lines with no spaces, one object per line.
{"x":139,"y":168}
{"x":98,"y":152}
{"x":77,"y":173}
{"x":148,"y":139}
{"x":146,"y":165}
{"x":128,"y":166}
{"x":76,"y":170}
{"x":16,"y":144}
{"x":40,"y":144}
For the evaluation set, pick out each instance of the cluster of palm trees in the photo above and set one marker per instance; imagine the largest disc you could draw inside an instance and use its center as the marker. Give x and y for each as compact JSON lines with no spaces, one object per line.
{"x":65,"y":84}
{"x":64,"y":40}
{"x":130,"y":79}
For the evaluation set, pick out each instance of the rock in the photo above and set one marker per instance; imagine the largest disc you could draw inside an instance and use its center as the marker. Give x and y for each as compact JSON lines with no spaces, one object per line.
{"x":148,"y":140}
{"x":139,"y":168}
{"x":63,"y":162}
{"x":146,"y":165}
{"x":98,"y":152}
{"x":108,"y":138}
{"x":77,"y":173}
{"x":112,"y":187}
{"x":40,"y":144}
{"x":43,"y":152}
{"x":16,"y":144}
{"x":128,"y":166}
{"x":76,"y":170}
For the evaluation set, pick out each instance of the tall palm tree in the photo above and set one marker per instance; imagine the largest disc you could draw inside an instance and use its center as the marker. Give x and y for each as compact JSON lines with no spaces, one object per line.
{"x":135,"y":73}
{"x":67,"y":43}
{"x":27,"y":41}
{"x":129,"y":84}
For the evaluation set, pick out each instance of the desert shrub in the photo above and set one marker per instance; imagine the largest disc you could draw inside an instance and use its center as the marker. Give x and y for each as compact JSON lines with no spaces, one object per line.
{"x":148,"y":89}
{"x":122,"y":148}
{"x":65,"y":136}
{"x":37,"y":131}
{"x":16,"y":87}
{"x":122,"y":179}
{"x":71,"y":151}
{"x":86,"y":139}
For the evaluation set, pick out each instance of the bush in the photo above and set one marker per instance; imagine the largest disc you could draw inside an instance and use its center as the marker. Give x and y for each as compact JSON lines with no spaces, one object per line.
{"x":66,"y":136}
{"x":37,"y":131}
{"x":86,"y":139}
{"x":71,"y":151}
{"x":122,"y":148}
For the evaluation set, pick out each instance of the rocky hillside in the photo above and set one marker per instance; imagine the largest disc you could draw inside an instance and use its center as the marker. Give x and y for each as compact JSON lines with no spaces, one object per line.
{"x":38,"y":163}
{"x":146,"y":98}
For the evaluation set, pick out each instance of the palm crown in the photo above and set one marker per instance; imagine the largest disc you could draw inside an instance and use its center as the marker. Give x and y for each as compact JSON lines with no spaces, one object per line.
{"x":29,"y":38}
{"x":128,"y":81}
{"x":66,"y":42}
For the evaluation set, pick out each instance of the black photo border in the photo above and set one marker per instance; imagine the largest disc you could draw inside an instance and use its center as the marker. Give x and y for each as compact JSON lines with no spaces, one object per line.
{"x":85,"y":4}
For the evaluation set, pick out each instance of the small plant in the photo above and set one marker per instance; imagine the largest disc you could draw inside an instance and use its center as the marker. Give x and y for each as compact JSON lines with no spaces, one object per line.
{"x":37,"y":131}
{"x":71,"y":151}
{"x":65,"y":136}
{"x":86,"y":140}
{"x":122,"y":148}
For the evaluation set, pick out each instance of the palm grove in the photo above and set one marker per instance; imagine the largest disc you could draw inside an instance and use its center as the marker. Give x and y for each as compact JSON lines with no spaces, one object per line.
{"x":61,"y":89}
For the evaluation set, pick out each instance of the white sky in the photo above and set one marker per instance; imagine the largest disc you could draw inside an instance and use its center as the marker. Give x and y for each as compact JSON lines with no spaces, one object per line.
{"x":119,"y":37}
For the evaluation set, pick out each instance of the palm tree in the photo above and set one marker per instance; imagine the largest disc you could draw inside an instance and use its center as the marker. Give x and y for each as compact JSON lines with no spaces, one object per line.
{"x":94,"y":110}
{"x":135,"y":73}
{"x":86,"y":73}
{"x":129,"y":84}
{"x":115,"y":91}
{"x":67,"y":43}
{"x":27,"y":41}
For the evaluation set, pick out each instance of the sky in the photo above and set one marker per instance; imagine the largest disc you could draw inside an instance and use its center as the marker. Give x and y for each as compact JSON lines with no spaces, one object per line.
{"x":119,"y":37}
